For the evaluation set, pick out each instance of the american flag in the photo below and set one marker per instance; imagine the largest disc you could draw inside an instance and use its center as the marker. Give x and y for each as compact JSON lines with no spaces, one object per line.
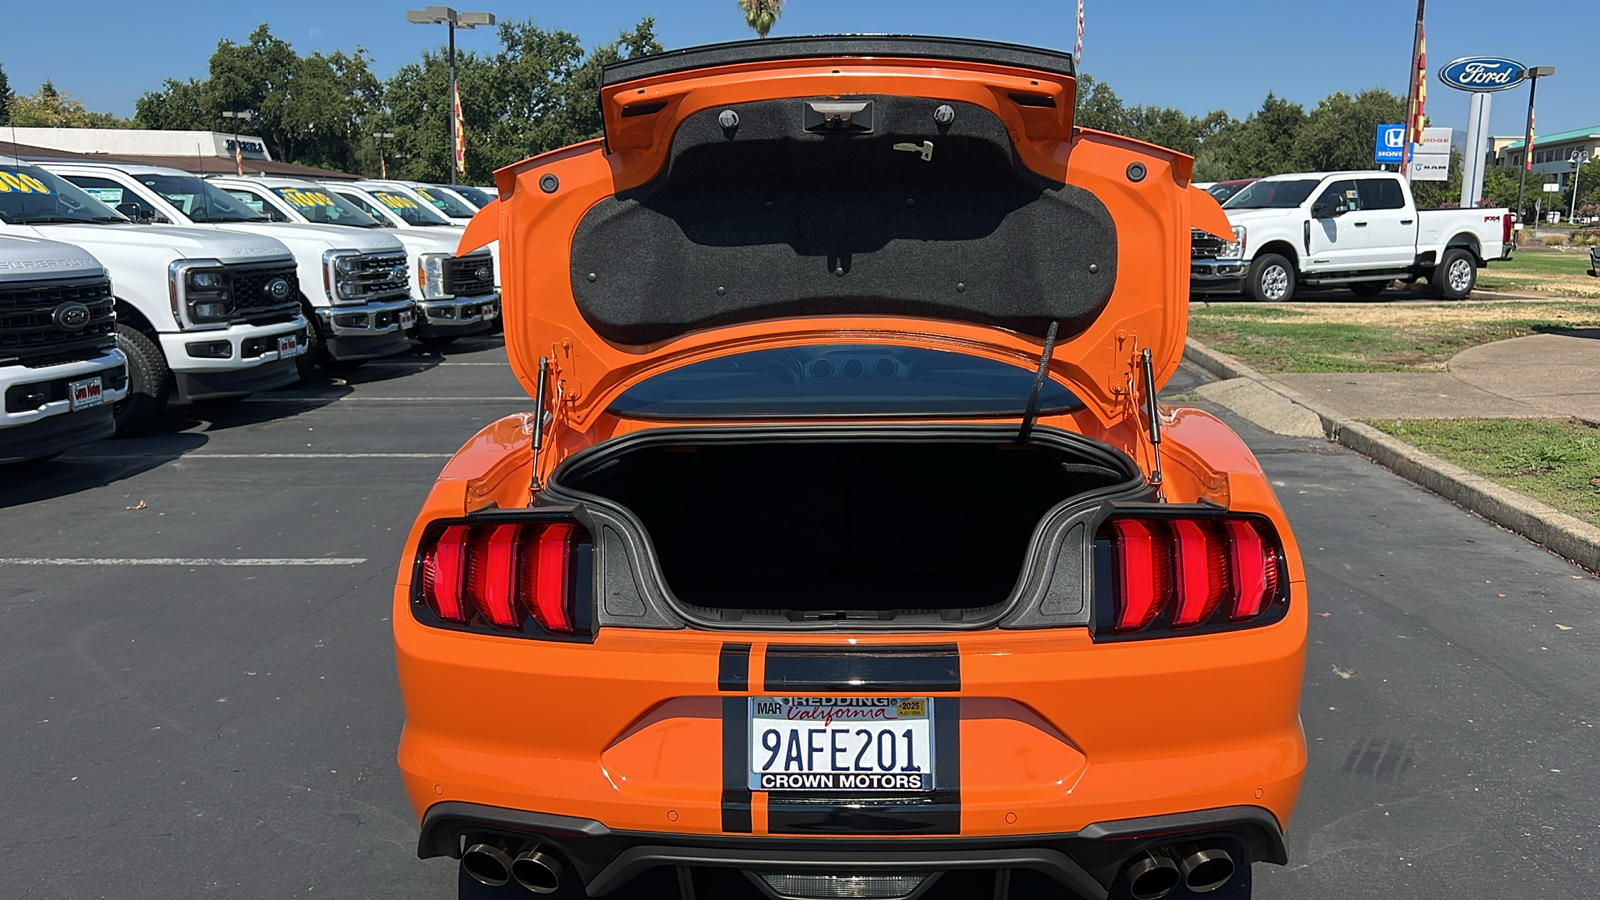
{"x":461,"y":137}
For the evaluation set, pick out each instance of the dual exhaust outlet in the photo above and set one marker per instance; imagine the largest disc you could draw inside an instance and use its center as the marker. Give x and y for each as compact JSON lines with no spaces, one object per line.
{"x":496,"y":861}
{"x":1156,"y":873}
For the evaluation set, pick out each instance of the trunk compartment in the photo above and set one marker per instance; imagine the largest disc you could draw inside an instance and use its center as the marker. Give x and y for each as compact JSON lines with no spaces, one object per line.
{"x":820,"y":525}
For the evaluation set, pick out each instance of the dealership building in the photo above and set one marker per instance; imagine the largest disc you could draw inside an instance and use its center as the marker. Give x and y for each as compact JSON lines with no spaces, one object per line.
{"x":200,"y":152}
{"x":1551,"y":152}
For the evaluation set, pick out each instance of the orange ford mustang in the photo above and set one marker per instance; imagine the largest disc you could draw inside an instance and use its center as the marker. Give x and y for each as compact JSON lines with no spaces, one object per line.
{"x":847,"y":552}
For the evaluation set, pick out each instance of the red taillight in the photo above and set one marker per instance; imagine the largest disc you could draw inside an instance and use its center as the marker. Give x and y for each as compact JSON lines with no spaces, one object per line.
{"x":1144,"y":572}
{"x":1507,"y":227}
{"x":1180,"y":573}
{"x":499,"y":574}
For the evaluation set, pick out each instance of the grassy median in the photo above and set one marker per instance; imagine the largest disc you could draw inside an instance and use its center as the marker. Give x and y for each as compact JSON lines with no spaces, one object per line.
{"x":1564,"y":272}
{"x":1374,"y":337}
{"x":1555,"y":461}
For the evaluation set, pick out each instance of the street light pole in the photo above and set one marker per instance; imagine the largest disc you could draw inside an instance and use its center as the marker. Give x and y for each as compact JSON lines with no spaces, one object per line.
{"x":1578,"y":158}
{"x":444,"y":15}
{"x":383,"y":167}
{"x":1534,"y":74}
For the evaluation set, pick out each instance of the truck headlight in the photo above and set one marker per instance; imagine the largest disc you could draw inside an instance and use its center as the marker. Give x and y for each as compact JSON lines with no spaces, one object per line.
{"x":341,"y":271}
{"x":1235,"y":248}
{"x":201,"y":293}
{"x":430,"y":275}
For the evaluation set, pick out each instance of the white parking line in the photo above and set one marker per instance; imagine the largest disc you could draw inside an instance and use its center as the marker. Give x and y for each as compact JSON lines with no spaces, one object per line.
{"x":432,"y":364}
{"x":189,"y":456}
{"x":181,"y":561}
{"x":522,"y":398}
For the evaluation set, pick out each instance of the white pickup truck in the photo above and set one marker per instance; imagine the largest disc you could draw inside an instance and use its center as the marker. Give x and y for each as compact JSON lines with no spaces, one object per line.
{"x":354,"y":286}
{"x":60,"y":369}
{"x":455,"y":296}
{"x":1359,"y":230}
{"x":206,"y":314}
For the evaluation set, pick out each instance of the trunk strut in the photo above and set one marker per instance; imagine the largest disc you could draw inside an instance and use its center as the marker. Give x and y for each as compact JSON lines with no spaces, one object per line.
{"x":1150,"y":413}
{"x":1031,"y":411}
{"x":538,"y":426}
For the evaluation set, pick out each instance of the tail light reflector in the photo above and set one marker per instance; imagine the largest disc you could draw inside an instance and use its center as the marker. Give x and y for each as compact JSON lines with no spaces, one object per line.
{"x":501,"y":575}
{"x":1179,"y":574}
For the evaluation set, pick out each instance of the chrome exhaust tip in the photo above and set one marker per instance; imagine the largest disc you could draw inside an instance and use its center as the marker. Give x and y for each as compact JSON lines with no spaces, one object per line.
{"x":1204,"y":868}
{"x":1152,"y":875}
{"x":538,"y":869}
{"x":488,"y":862}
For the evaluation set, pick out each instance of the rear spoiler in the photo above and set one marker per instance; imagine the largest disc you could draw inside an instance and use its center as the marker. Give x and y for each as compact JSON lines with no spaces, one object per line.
{"x":838,"y":45}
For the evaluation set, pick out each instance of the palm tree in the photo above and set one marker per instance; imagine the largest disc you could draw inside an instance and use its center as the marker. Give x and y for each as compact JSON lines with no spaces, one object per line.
{"x":761,"y":15}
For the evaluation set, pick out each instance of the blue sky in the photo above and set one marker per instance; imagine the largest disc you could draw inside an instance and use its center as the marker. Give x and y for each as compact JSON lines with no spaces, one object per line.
{"x":1195,"y":56}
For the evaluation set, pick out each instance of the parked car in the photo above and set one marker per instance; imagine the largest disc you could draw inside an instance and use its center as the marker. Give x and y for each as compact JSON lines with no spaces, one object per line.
{"x":200,"y":314}
{"x":1223,"y":191}
{"x":440,"y":197}
{"x":353,"y":287}
{"x":60,"y":369}
{"x":1359,"y":230}
{"x":454,"y":295}
{"x":838,"y":548}
{"x":476,"y":197}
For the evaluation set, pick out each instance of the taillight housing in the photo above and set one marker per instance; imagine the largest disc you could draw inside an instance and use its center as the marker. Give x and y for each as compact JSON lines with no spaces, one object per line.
{"x":519,"y":575}
{"x":1174,"y":571}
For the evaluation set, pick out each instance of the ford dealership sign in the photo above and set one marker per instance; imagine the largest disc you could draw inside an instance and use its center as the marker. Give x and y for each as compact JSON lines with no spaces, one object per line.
{"x":1481,"y":74}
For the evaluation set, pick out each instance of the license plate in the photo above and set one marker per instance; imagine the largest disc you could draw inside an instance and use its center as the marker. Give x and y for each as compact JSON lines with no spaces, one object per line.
{"x":286,"y":345}
{"x":407,"y":319}
{"x":841,"y":744}
{"x":86,"y":393}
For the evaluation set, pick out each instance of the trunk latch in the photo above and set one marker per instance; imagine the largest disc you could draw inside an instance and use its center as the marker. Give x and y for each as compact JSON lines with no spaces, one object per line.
{"x":839,"y":116}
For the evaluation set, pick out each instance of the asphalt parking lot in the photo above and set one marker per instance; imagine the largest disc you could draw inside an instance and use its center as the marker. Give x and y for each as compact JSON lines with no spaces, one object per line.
{"x":176,"y":727}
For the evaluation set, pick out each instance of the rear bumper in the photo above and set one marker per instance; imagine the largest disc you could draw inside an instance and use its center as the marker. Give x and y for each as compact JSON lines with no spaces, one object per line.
{"x":1213,"y":276}
{"x":1085,"y":861}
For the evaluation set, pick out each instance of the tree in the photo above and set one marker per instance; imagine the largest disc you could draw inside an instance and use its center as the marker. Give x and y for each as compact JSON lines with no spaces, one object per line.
{"x":5,"y":97}
{"x":1099,"y":107}
{"x":50,"y":108}
{"x":1338,"y":134}
{"x":1263,"y":144}
{"x":761,"y":15}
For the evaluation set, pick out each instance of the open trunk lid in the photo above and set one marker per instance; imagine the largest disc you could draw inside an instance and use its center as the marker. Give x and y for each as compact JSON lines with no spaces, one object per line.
{"x":896,"y":190}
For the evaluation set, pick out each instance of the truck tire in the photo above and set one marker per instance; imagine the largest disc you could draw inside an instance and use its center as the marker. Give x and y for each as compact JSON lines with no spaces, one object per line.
{"x":1456,"y":275}
{"x":1368,"y":288}
{"x":149,"y":382}
{"x":307,"y":361}
{"x":1271,"y":279}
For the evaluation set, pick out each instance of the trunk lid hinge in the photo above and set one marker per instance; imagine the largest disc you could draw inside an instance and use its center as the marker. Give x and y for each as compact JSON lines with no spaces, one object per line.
{"x":1153,"y":415}
{"x":1031,"y":411}
{"x":541,"y":418}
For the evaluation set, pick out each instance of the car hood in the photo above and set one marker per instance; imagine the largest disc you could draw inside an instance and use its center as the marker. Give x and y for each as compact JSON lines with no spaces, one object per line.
{"x":424,"y":240}
{"x":873,"y":190}
{"x":1246,"y":216}
{"x":179,"y":241}
{"x":319,"y":237}
{"x":29,"y":259}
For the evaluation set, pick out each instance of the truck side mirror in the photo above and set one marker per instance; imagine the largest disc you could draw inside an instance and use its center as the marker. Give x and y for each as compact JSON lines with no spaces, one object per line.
{"x":136,"y":212}
{"x":1327,"y":209}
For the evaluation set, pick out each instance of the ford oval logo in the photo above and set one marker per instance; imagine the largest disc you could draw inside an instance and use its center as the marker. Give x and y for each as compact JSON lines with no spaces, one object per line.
{"x":482,"y":273}
{"x":277,"y":289}
{"x":1481,"y":74}
{"x":72,"y":316}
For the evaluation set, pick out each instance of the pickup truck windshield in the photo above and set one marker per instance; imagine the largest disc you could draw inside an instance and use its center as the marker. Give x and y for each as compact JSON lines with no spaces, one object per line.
{"x":840,"y":380}
{"x":447,"y":203}
{"x":1272,"y":195}
{"x":325,"y":207}
{"x":411,"y":211}
{"x":31,"y":196}
{"x":475,"y":196}
{"x":199,"y":199}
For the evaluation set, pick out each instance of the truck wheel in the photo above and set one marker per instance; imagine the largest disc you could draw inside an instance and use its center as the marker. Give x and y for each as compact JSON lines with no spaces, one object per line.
{"x":307,"y":361}
{"x":1456,"y":275}
{"x":1271,"y":279}
{"x":149,"y":382}
{"x":1368,"y":288}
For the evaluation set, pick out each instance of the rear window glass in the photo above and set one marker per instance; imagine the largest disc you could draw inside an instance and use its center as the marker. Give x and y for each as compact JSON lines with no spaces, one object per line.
{"x":841,"y":380}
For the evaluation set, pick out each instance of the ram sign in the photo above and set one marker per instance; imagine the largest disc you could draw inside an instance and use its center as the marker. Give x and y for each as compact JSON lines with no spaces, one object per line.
{"x":1481,"y":74}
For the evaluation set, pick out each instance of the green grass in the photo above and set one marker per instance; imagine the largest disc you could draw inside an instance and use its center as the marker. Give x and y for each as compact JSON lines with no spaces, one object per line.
{"x":1562,"y":272}
{"x":1555,"y":461}
{"x":1411,"y":337}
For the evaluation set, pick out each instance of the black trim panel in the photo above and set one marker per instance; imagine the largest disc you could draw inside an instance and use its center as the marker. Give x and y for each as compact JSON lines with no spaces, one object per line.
{"x":863,"y":670}
{"x":733,"y":668}
{"x":735,"y":783}
{"x":824,"y":46}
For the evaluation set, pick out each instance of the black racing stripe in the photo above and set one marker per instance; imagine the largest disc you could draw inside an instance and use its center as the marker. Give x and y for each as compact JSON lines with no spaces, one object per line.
{"x":937,"y":812}
{"x":735,"y":761}
{"x":733,"y":668}
{"x":863,"y":670}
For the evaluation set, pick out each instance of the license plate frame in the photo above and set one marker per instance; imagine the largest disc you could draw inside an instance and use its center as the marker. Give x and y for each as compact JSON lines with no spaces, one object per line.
{"x":288,"y":345}
{"x":86,"y":393}
{"x":886,"y":744}
{"x":407,"y":318}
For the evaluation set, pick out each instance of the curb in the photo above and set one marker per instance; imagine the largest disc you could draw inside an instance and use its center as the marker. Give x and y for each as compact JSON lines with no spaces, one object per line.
{"x":1545,"y":525}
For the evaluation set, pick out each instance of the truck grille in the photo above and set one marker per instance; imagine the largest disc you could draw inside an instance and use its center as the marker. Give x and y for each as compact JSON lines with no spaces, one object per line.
{"x":251,"y":300}
{"x":1203,"y":245}
{"x":384,"y":276}
{"x":468,"y":276}
{"x":32,"y":333}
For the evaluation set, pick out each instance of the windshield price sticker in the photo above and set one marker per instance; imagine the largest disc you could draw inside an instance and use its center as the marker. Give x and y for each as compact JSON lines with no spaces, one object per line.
{"x":21,"y":182}
{"x":305,"y":199}
{"x":841,"y":744}
{"x":395,"y":201}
